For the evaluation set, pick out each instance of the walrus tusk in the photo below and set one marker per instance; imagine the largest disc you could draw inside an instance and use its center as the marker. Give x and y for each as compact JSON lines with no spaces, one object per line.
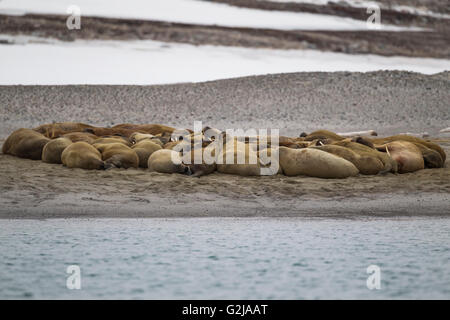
{"x":321,"y":143}
{"x":387,"y":151}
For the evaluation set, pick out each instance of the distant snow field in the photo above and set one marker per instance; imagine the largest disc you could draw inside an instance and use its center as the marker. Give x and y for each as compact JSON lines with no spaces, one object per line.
{"x":191,"y":11}
{"x":44,"y":61}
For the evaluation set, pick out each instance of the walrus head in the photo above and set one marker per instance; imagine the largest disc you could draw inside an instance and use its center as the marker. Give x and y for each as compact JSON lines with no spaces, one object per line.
{"x":89,"y":130}
{"x":363,"y":141}
{"x":185,"y":169}
{"x":210,"y":134}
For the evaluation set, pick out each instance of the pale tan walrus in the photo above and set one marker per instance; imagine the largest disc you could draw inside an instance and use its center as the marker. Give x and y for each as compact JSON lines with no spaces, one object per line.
{"x":315,"y":163}
{"x":166,"y":161}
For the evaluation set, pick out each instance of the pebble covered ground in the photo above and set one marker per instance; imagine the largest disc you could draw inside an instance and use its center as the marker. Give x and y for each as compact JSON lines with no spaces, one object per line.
{"x":386,"y":101}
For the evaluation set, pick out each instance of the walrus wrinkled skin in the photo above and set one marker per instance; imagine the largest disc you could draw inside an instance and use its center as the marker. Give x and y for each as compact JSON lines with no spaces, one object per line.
{"x":144,"y":149}
{"x":167,"y":161}
{"x":315,"y":163}
{"x":81,"y":136}
{"x":390,"y":165}
{"x":408,"y":156}
{"x":55,"y":130}
{"x":367,"y":165}
{"x":54,"y":148}
{"x":82,"y":155}
{"x":25,"y":143}
{"x":118,"y":155}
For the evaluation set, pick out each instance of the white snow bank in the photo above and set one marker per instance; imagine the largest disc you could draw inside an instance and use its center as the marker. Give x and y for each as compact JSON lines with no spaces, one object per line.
{"x":151,"y":62}
{"x":190,"y":11}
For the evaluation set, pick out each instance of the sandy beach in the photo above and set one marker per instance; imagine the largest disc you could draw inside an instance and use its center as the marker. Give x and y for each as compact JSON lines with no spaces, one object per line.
{"x":388,"y":102}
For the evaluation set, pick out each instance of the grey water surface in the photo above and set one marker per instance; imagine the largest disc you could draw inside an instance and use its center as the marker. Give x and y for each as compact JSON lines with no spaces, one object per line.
{"x":225,"y":258}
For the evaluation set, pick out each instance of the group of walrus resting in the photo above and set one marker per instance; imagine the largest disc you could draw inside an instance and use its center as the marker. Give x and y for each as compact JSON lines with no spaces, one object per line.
{"x":164,"y":149}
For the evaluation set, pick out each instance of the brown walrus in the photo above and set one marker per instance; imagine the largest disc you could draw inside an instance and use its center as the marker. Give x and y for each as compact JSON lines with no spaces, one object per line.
{"x":144,"y":150}
{"x":112,"y":139}
{"x":367,"y":165}
{"x":55,"y":130}
{"x":118,"y":155}
{"x":82,"y":155}
{"x":54,"y":148}
{"x":323,"y":135}
{"x":196,"y":164}
{"x":390,"y":165}
{"x":25,"y":143}
{"x":80,"y":136}
{"x":153,"y":129}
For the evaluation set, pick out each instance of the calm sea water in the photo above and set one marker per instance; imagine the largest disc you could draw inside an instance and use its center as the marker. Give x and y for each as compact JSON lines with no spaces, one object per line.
{"x":217,"y":258}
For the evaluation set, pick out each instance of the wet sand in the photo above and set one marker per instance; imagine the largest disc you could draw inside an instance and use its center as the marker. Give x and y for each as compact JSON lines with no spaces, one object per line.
{"x":389,"y":102}
{"x":33,"y":189}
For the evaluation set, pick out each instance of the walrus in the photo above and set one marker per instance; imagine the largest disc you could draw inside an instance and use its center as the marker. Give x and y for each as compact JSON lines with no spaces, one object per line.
{"x":323,"y":134}
{"x":162,"y":139}
{"x":172,"y":144}
{"x":144,"y":150}
{"x":25,"y":143}
{"x":118,"y":155}
{"x":408,"y":156}
{"x":153,"y":129}
{"x":367,"y":165}
{"x":82,"y":155}
{"x":431,"y":158}
{"x":81,"y":136}
{"x":54,"y":148}
{"x":128,"y":129}
{"x":187,"y":141}
{"x":390,"y":165}
{"x":426,"y":143}
{"x":196,"y":167}
{"x":137,"y":137}
{"x":248,"y":168}
{"x":314,"y":163}
{"x":167,"y":161}
{"x":240,"y":159}
{"x":114,"y":139}
{"x":101,"y":132}
{"x":55,"y":130}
